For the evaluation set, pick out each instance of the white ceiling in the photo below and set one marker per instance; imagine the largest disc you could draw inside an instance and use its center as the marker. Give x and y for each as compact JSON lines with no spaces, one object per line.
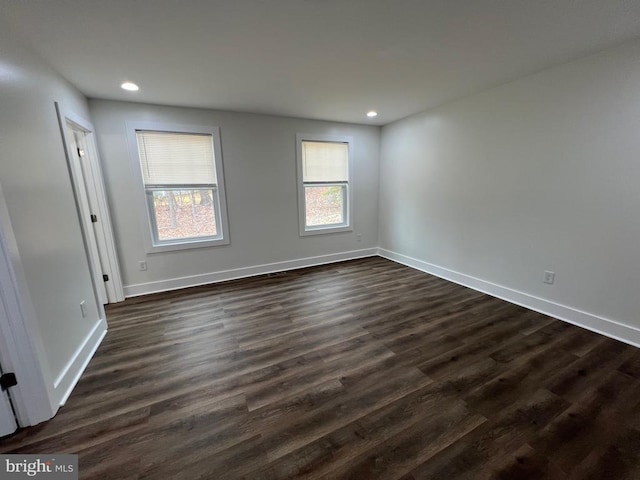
{"x":323,"y":59}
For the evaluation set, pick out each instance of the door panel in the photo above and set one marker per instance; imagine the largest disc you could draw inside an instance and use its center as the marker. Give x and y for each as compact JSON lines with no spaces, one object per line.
{"x":77,"y":152}
{"x":88,"y":185}
{"x":8,"y":423}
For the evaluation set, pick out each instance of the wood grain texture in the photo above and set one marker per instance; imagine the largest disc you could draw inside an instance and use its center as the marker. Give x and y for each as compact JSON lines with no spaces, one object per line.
{"x":360,"y":370}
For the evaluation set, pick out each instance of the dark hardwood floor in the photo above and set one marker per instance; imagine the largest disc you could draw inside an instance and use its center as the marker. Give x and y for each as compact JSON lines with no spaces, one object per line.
{"x":364,"y":369}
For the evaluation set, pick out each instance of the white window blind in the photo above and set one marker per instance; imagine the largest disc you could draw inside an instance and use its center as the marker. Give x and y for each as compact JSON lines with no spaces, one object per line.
{"x":325,"y":161}
{"x":176,"y":158}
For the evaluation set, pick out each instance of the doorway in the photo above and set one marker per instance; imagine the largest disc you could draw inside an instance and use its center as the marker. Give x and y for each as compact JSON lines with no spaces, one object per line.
{"x":88,"y":186}
{"x":27,"y":400}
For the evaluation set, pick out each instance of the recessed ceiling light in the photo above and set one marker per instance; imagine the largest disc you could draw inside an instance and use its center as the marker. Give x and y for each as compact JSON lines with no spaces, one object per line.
{"x":132,"y":87}
{"x":372,"y":113}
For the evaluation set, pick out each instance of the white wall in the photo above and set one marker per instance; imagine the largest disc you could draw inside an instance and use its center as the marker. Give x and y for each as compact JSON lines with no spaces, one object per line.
{"x":260,"y":173}
{"x":539,"y":174}
{"x":50,"y":257}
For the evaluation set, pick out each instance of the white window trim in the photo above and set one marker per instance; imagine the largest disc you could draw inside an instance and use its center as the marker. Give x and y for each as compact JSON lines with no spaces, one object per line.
{"x":143,"y":203}
{"x":324,"y":229}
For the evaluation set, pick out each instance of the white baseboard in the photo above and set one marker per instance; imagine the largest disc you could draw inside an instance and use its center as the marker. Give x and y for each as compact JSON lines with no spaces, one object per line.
{"x":67,"y":380}
{"x":604,"y":326}
{"x":224,"y":275}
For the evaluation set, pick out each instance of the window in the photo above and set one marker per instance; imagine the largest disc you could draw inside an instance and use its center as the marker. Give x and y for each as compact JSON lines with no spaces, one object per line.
{"x":181,"y":173}
{"x":323,"y":183}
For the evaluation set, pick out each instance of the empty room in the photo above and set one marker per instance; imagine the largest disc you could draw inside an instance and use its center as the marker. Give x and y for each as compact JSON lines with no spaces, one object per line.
{"x":338,"y":239}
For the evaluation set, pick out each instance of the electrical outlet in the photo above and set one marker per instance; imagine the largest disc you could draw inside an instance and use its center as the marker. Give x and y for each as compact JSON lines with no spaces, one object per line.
{"x":83,"y":308}
{"x":549,"y":277}
{"x":359,"y":237}
{"x":143,"y":266}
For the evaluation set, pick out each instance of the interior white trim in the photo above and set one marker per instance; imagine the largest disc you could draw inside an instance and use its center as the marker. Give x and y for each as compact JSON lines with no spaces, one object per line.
{"x":595,"y":323}
{"x":224,"y":275}
{"x":143,"y":206}
{"x":21,"y":349}
{"x":103,"y":240}
{"x":347,"y":226}
{"x":71,"y":373}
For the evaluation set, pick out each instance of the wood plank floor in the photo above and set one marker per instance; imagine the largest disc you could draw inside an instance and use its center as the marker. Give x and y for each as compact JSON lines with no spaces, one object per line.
{"x":364,"y":369}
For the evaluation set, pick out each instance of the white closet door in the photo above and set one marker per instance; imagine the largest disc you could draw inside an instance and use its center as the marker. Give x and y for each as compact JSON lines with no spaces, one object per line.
{"x":7,"y":419}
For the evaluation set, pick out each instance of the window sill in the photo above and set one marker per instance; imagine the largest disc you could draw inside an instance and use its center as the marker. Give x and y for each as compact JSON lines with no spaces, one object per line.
{"x":186,"y":245}
{"x":325,"y":230}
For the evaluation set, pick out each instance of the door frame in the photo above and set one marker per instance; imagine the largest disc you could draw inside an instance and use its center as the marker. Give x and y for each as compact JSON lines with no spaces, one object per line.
{"x":8,"y":419}
{"x":98,"y":236}
{"x":21,"y":348}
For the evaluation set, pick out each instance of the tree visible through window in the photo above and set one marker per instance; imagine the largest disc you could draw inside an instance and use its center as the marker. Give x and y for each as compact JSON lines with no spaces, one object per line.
{"x":181,"y":214}
{"x":324,"y":205}
{"x":324,"y":176}
{"x":181,"y":185}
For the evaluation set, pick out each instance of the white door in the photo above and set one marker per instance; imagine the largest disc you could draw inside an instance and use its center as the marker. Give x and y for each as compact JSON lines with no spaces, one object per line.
{"x":19,"y":341}
{"x":8,"y":423}
{"x":88,"y":186}
{"x":77,"y":154}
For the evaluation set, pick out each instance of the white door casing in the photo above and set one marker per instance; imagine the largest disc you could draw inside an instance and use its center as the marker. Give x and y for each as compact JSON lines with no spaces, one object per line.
{"x":21,"y":349}
{"x":8,"y":423}
{"x":86,"y":175}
